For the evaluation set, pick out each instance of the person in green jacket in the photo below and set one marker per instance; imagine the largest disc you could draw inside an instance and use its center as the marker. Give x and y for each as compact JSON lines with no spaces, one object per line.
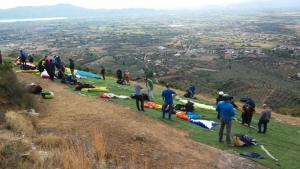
{"x":149,"y":87}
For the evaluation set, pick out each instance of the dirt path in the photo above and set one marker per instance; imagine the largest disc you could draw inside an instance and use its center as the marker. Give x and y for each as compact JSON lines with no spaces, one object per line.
{"x":166,"y":146}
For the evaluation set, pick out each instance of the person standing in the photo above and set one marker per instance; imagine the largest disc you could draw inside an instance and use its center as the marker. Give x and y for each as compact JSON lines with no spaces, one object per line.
{"x":51,"y":72}
{"x":167,"y":97}
{"x":30,"y":58}
{"x":23,"y":58}
{"x":61,"y":71}
{"x":149,"y":87}
{"x":219,"y":98}
{"x":102,"y":72}
{"x":57,"y":60}
{"x":264,"y":119}
{"x":0,"y":57}
{"x":127,"y":77}
{"x":72,"y":67}
{"x":226,"y":112}
{"x":138,"y":94}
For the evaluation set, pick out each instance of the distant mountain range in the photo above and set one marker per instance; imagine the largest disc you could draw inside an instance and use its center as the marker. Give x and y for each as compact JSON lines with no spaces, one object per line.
{"x":67,"y":10}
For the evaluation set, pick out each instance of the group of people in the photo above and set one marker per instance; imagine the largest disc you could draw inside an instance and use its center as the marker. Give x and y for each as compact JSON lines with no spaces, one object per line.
{"x":139,"y":94}
{"x":23,"y":58}
{"x":49,"y":64}
{"x":226,"y":112}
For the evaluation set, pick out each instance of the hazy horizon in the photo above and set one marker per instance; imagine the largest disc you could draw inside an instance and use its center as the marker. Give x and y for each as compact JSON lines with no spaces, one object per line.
{"x":120,"y":4}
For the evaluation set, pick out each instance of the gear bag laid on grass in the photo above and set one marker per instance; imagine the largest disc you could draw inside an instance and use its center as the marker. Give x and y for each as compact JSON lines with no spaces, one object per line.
{"x":243,"y":140}
{"x":35,"y":89}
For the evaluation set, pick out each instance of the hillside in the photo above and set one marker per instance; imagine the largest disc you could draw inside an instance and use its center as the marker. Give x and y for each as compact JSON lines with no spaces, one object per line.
{"x":71,"y":114}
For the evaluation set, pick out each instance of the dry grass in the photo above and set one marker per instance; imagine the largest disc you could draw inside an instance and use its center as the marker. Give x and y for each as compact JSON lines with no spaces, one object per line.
{"x":49,"y":141}
{"x":19,"y":123}
{"x":70,"y":152}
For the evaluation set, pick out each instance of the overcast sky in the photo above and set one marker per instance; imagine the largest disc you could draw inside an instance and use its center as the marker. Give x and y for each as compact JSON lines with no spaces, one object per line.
{"x":156,"y":4}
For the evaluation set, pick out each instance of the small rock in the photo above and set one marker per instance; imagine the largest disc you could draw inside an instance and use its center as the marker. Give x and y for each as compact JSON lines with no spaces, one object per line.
{"x":142,"y":154}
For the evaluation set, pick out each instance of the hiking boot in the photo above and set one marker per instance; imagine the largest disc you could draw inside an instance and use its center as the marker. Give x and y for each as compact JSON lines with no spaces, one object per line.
{"x":221,"y":141}
{"x":230,"y":145}
{"x":143,"y":111}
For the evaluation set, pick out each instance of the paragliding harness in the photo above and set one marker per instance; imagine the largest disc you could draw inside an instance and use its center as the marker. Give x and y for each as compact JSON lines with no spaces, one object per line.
{"x":145,"y":96}
{"x":79,"y":86}
{"x":179,"y":107}
{"x":28,"y":67}
{"x":35,"y":89}
{"x":189,"y":94}
{"x":121,"y":82}
{"x":243,"y":140}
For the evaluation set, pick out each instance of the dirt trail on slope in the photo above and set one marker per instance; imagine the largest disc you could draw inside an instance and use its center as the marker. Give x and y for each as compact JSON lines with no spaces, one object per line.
{"x":166,"y":146}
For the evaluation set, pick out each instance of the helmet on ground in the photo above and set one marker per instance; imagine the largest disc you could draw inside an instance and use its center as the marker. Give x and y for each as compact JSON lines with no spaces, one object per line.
{"x":221,"y":93}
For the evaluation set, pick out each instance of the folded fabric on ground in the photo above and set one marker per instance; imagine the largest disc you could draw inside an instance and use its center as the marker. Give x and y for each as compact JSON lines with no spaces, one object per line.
{"x":113,"y":96}
{"x":199,"y":105}
{"x":82,"y":73}
{"x":192,"y":115}
{"x":252,"y":155}
{"x":204,"y":123}
{"x":100,"y":89}
{"x":152,"y":105}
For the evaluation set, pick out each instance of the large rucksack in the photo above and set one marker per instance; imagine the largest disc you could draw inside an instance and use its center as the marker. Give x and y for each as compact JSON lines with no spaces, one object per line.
{"x":243,"y":140}
{"x":35,"y":89}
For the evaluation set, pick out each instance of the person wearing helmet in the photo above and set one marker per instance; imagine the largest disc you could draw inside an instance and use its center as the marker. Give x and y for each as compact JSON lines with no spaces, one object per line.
{"x":219,"y":98}
{"x":226,"y":113}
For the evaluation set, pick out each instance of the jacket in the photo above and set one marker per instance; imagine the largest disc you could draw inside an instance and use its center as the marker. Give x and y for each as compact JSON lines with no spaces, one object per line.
{"x":226,"y":110}
{"x":150,"y":83}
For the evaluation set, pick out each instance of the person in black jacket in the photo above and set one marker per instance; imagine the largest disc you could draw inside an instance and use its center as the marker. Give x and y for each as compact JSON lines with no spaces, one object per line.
{"x":72,"y":66}
{"x":219,"y":98}
{"x":102,"y":72}
{"x":189,"y":107}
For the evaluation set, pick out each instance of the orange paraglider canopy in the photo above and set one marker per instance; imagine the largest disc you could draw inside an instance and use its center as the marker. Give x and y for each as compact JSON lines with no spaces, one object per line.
{"x":80,"y":59}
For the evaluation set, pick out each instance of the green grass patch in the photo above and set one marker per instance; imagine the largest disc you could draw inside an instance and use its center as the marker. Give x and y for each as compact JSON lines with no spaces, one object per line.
{"x":282,"y":139}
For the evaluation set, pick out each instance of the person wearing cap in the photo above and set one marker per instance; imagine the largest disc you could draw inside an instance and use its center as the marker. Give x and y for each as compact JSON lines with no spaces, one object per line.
{"x":219,"y":98}
{"x":226,"y":113}
{"x":149,"y":87}
{"x":167,"y":97}
{"x":139,"y":95}
{"x":264,"y":119}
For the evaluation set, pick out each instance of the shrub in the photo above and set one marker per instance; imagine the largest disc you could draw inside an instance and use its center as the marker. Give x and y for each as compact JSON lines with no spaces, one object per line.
{"x":2,"y":118}
{"x":17,"y":122}
{"x":295,"y":112}
{"x":13,"y":94}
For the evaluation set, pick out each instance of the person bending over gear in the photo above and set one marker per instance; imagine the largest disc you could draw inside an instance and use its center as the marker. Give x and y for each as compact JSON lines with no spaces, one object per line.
{"x":192,"y":90}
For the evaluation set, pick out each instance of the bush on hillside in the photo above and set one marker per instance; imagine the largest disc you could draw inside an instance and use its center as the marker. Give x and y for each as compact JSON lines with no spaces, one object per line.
{"x":13,"y":94}
{"x":295,"y":112}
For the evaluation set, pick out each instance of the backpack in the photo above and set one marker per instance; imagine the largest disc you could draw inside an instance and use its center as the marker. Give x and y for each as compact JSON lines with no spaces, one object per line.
{"x":179,"y":107}
{"x":35,"y":89}
{"x":243,"y":140}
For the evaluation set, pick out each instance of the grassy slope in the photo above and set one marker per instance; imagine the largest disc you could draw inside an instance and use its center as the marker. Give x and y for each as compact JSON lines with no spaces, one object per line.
{"x":281,"y":140}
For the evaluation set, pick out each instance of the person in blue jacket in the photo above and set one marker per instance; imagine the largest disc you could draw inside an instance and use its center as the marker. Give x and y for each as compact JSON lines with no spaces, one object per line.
{"x":192,"y":89}
{"x":51,"y":72}
{"x":226,"y":112}
{"x":167,"y":96}
{"x":23,"y":57}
